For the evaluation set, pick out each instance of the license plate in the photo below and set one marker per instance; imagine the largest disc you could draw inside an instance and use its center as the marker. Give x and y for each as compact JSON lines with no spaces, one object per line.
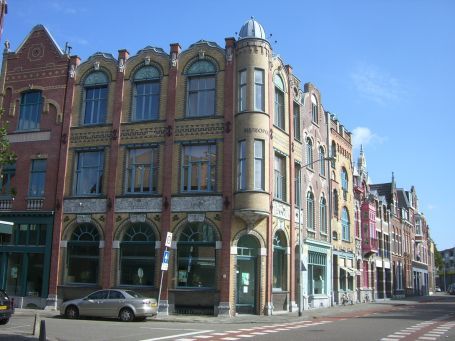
{"x":3,"y":307}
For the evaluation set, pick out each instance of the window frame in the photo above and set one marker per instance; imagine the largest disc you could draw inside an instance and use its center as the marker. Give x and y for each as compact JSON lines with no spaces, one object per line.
{"x":95,"y":81}
{"x":78,"y":173}
{"x":279,"y":176}
{"x":201,"y":72}
{"x":309,"y":153}
{"x":243,"y":90}
{"x":211,"y":181}
{"x":345,"y":225}
{"x":310,"y":211}
{"x":37,"y":178}
{"x":242,"y":166}
{"x":259,"y":165}
{"x":259,"y":90}
{"x":314,"y":109}
{"x":153,"y":168}
{"x":296,"y":117}
{"x":146,"y":255}
{"x":30,"y":113}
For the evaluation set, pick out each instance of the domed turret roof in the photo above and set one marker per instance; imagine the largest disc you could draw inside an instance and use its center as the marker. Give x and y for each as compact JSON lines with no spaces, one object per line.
{"x":252,"y":29}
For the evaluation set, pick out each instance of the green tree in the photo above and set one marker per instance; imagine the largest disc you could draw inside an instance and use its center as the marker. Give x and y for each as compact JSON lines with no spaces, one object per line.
{"x":438,"y":261}
{"x":6,"y":155}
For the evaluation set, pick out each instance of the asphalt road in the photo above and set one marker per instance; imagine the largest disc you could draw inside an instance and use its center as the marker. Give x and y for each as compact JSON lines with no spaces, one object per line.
{"x":431,"y":318}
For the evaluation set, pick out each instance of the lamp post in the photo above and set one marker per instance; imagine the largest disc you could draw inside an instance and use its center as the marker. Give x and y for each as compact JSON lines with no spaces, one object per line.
{"x":300,"y":231}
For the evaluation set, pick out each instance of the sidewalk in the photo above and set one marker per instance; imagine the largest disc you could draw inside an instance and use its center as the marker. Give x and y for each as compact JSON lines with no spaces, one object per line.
{"x":280,"y":317}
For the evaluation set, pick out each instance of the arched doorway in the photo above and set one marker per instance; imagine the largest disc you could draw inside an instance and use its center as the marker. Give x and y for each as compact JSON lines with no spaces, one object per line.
{"x":247,"y":275}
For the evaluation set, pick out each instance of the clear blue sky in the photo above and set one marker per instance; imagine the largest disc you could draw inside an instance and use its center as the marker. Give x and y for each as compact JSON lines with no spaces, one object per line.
{"x":386,"y":68}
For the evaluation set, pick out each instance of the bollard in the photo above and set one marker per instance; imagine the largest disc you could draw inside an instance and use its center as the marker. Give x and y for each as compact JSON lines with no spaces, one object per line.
{"x":42,"y":331}
{"x":36,"y":325}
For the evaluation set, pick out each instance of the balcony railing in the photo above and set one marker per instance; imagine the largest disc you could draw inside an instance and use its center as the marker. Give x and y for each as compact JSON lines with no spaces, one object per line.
{"x":35,"y":203}
{"x":370,"y":245}
{"x":6,"y":203}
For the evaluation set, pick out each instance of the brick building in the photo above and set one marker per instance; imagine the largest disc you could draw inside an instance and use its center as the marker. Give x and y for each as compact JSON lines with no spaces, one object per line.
{"x":33,"y":84}
{"x":224,"y":147}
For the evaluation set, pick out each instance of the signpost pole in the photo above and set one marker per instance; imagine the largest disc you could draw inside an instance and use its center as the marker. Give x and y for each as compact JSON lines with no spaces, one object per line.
{"x":164,"y":265}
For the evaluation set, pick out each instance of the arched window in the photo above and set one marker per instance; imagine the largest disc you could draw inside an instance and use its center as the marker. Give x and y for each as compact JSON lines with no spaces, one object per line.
{"x":30,"y":110}
{"x":310,"y":210}
{"x":344,"y":183}
{"x":309,"y":153}
{"x":137,"y":255}
{"x":335,"y":203}
{"x":83,"y":255}
{"x":334,"y":153}
{"x":201,"y":89}
{"x":345,"y":225}
{"x":196,"y":256}
{"x":321,"y":161}
{"x":279,"y":261}
{"x":146,"y":94}
{"x":95,"y":98}
{"x":279,"y":102}
{"x":314,"y":109}
{"x":323,"y":215}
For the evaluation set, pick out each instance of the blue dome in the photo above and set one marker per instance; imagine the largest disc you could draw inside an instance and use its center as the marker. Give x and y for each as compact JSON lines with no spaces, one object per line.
{"x":252,"y":29}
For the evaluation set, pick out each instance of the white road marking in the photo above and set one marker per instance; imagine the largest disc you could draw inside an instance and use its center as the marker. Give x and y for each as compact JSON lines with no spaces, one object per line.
{"x":178,"y":335}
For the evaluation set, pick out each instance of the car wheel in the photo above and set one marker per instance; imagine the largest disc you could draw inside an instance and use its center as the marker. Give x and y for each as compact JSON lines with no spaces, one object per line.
{"x":72,"y":312}
{"x":4,"y":321}
{"x":126,"y":315}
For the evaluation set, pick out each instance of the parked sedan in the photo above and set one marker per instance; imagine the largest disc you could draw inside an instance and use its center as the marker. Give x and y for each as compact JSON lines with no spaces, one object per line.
{"x":6,"y":307}
{"x":126,"y":305}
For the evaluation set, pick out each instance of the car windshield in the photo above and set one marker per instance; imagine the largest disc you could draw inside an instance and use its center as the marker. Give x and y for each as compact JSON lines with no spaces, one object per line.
{"x":134,"y":294}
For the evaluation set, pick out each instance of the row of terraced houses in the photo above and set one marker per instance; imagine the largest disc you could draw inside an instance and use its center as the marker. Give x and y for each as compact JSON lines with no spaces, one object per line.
{"x":225,"y":148}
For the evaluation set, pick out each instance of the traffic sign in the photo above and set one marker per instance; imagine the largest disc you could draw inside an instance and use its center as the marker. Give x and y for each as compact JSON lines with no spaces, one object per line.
{"x":168,"y":239}
{"x":165,"y":263}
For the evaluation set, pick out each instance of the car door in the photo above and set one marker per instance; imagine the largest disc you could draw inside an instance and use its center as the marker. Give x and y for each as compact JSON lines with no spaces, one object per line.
{"x":93,"y":303}
{"x":115,"y":301}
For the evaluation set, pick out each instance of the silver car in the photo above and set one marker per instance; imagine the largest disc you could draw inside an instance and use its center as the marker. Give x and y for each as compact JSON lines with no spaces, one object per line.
{"x":126,"y":305}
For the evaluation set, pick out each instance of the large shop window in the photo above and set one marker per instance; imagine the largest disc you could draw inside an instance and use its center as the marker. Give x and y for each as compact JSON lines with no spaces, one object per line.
{"x":199,"y":168}
{"x":137,"y":256}
{"x":142,"y":170}
{"x":317,"y":270}
{"x":146,"y":94}
{"x":201,"y":89}
{"x":196,"y":256}
{"x":25,"y":274}
{"x":89,"y":173}
{"x":30,"y":110}
{"x":95,"y":98}
{"x":83,"y":255}
{"x":279,"y":262}
{"x":37,"y":178}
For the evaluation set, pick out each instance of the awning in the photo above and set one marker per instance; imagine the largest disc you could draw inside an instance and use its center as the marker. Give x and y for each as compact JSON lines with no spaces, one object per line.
{"x":6,"y":227}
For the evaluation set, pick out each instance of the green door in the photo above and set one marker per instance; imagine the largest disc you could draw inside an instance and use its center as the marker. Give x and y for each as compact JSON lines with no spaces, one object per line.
{"x":247,"y":274}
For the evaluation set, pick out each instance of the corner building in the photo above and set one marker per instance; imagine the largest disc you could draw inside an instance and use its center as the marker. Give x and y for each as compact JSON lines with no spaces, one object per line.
{"x":205,"y":143}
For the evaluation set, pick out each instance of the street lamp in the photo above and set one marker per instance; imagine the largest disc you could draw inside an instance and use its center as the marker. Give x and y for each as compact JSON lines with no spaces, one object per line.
{"x":331,"y":158}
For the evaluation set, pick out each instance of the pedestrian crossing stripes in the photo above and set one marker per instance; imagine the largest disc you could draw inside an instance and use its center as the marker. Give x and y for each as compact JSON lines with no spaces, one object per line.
{"x":428,"y":330}
{"x":246,"y":333}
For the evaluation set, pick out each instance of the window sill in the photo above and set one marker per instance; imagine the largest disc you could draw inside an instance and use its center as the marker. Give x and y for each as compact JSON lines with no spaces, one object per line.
{"x":280,"y":129}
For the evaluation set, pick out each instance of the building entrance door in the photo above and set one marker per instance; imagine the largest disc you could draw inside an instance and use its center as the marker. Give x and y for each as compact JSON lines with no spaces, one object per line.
{"x":247,"y":274}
